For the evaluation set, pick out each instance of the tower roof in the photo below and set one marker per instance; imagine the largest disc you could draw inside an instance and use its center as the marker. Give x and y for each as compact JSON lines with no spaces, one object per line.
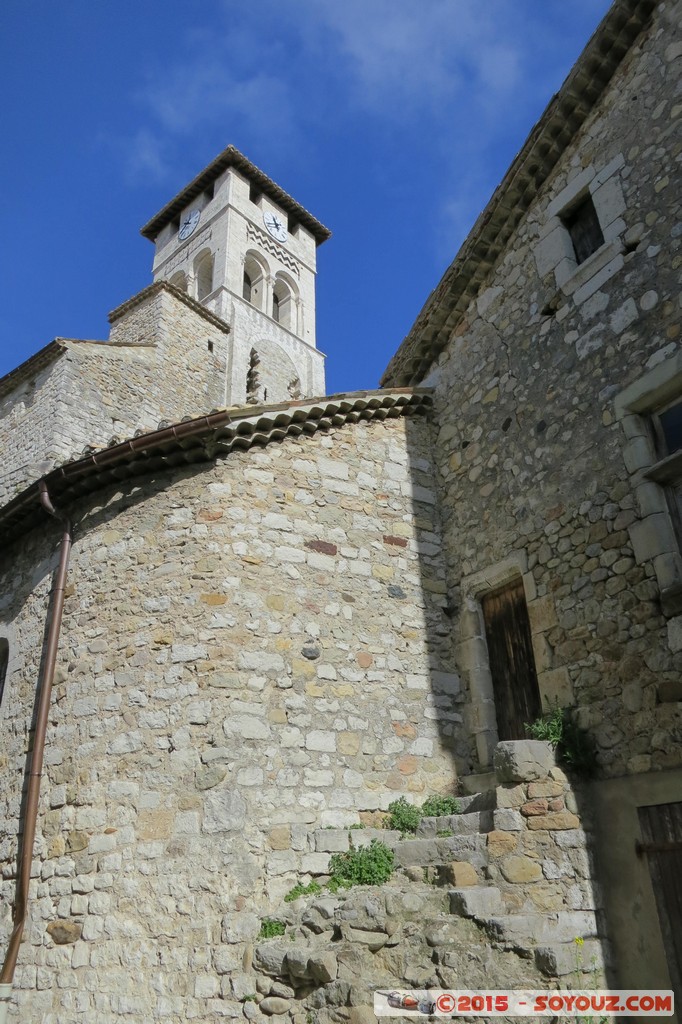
{"x":231,"y":157}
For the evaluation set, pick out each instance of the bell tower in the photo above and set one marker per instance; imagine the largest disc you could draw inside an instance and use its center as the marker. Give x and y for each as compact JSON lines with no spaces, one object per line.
{"x":240,"y":245}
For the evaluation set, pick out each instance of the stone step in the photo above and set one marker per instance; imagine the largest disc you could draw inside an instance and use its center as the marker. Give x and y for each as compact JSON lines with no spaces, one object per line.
{"x":466,"y":824}
{"x":441,"y":851}
{"x":532,"y":930}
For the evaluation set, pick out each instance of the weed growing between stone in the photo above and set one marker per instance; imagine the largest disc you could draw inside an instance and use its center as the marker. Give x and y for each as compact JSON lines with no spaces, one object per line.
{"x":440,"y":807}
{"x":269,"y":928}
{"x":313,"y":889}
{"x":593,"y":983}
{"x":405,"y":817}
{"x":370,"y":865}
{"x":402,"y":816}
{"x":574,"y":746}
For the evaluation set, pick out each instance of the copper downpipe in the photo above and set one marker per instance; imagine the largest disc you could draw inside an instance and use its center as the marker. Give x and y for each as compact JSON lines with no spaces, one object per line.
{"x":33,"y":792}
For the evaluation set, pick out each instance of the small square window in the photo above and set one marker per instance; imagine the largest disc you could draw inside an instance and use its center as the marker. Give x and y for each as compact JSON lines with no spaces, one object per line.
{"x":584,"y":228}
{"x":255,"y":195}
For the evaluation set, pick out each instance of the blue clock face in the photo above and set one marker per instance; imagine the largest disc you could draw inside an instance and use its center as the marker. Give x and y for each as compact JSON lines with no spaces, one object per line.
{"x":188,"y":223}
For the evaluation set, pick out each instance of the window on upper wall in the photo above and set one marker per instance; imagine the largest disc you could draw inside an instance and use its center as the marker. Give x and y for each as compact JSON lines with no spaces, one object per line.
{"x":582,"y":224}
{"x":667,"y":427}
{"x":579,"y":240}
{"x":4,"y":661}
{"x":650,"y":410}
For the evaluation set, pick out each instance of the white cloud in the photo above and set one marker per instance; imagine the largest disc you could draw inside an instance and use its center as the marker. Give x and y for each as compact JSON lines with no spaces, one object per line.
{"x":144,"y":157}
{"x":205,"y":90}
{"x":400,"y":53}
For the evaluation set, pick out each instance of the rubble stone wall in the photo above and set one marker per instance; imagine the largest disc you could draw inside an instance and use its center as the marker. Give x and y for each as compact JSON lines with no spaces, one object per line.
{"x":531,"y":456}
{"x":249,"y":650}
{"x":166,"y":362}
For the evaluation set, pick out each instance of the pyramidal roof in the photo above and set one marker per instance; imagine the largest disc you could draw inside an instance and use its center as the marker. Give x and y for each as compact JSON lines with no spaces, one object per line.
{"x":231,"y":157}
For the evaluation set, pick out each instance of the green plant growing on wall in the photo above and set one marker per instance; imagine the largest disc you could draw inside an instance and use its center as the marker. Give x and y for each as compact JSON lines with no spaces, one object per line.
{"x":402,"y":816}
{"x":574,"y":746}
{"x":593,"y":983}
{"x":405,"y":817}
{"x":370,"y":865}
{"x":270,"y":927}
{"x":312,"y":889}
{"x":440,"y":807}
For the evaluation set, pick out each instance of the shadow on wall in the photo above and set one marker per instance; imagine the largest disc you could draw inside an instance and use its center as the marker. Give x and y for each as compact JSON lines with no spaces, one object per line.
{"x":527,"y":825}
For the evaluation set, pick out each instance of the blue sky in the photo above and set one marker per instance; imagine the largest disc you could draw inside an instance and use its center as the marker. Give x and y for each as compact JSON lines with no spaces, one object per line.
{"x":392,"y":121}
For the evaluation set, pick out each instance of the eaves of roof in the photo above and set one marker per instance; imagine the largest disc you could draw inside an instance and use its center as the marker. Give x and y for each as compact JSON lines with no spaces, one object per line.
{"x":47,"y":354}
{"x":202,"y":440}
{"x":231,"y":157}
{"x":511,"y":200}
{"x":165,"y":286}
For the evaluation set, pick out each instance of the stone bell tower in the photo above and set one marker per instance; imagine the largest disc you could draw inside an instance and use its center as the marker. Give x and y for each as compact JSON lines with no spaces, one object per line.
{"x":240,"y":245}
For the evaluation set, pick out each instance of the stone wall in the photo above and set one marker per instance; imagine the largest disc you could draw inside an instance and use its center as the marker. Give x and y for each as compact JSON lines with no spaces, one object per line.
{"x":31,"y":438}
{"x":157,"y":366}
{"x":248,"y":651}
{"x":529,"y":451}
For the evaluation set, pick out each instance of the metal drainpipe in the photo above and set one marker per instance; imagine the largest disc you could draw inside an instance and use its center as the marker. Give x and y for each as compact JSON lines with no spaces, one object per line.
{"x":33,"y":793}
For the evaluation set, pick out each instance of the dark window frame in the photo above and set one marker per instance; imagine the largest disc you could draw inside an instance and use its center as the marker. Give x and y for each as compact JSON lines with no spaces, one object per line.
{"x":4,"y":664}
{"x":581,"y":220}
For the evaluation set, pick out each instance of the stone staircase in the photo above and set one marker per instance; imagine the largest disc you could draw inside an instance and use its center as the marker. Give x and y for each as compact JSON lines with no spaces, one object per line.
{"x":493,"y":897}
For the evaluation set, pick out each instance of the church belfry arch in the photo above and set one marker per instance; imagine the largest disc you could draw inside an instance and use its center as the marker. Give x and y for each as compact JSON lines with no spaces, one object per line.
{"x":255,"y":279}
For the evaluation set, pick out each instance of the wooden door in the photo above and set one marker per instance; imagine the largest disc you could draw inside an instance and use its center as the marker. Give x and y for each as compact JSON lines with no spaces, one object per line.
{"x":512,"y":665}
{"x":661,"y":827}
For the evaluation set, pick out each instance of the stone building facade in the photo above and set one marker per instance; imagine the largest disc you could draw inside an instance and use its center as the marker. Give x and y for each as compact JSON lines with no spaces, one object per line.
{"x":282,"y":616}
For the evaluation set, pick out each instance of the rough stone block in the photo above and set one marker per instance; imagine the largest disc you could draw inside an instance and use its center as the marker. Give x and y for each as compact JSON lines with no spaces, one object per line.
{"x":523,"y":760}
{"x":531,"y":930}
{"x":507,"y":820}
{"x":323,"y":967}
{"x":461,"y":873}
{"x":556,"y":820}
{"x":240,"y":926}
{"x":270,"y":957}
{"x":500,"y":843}
{"x":520,"y":869}
{"x":329,"y":840}
{"x":64,"y":932}
{"x":479,"y":902}
{"x":297,"y":963}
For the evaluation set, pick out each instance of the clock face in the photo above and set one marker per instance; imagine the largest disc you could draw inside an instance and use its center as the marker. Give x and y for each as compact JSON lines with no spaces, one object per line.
{"x":188,"y":223}
{"x":275,"y":225}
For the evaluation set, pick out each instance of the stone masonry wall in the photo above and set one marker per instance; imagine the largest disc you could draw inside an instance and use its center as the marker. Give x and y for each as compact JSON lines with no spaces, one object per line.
{"x":249,"y":651}
{"x":159,"y":367}
{"x":30,"y":440}
{"x":529,"y":452}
